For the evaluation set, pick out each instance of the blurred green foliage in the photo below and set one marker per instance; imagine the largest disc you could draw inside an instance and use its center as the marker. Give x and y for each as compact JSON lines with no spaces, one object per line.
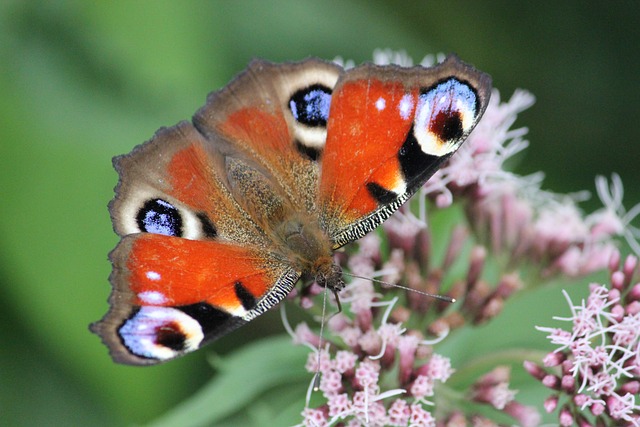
{"x":81,"y":82}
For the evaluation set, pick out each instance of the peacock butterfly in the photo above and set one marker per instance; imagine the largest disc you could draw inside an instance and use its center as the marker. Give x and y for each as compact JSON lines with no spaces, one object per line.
{"x":221,"y":216}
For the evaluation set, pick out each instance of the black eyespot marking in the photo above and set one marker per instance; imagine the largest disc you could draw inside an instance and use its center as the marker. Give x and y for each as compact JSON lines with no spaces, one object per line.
{"x":246,"y":298}
{"x":307,"y":151}
{"x":159,"y":217}
{"x":310,"y":106}
{"x":208,"y":228}
{"x":417,"y":166}
{"x":447,"y":125}
{"x":170,"y":335}
{"x":212,"y":320}
{"x":381,"y":194}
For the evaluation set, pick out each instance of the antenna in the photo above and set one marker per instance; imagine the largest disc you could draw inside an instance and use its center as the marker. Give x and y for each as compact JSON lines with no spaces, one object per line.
{"x":427,"y":294}
{"x":316,"y":376}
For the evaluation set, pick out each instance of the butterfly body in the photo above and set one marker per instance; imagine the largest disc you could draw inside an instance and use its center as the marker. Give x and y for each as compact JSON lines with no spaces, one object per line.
{"x":221,"y":217}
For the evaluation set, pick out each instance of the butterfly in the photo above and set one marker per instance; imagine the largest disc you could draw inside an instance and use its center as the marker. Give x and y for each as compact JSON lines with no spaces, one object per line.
{"x":220,"y":217}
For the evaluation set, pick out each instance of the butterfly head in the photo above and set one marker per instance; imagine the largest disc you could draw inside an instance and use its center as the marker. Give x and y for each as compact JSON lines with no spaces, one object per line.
{"x":329,"y":275}
{"x":310,"y":251}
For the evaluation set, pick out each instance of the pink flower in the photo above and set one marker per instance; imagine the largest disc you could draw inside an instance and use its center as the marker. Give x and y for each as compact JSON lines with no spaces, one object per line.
{"x":399,"y":413}
{"x":367,"y":374}
{"x":493,"y":388}
{"x":526,"y":416}
{"x":345,"y":362}
{"x":420,"y":418}
{"x":331,"y":382}
{"x":422,"y":387}
{"x":339,"y":404}
{"x":304,"y":335}
{"x":439,"y":368}
{"x":600,"y":351}
{"x":314,"y":418}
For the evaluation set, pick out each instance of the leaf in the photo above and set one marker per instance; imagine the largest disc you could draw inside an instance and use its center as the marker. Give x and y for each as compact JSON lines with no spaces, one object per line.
{"x":251,"y":371}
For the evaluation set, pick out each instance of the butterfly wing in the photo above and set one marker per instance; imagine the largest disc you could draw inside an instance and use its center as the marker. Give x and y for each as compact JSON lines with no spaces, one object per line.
{"x":275,"y":115}
{"x":391,"y":128}
{"x":192,"y":264}
{"x":173,"y":295}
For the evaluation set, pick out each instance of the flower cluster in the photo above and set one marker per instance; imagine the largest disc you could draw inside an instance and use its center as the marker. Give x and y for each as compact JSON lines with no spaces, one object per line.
{"x":359,"y":360}
{"x":511,"y":212}
{"x":357,"y":357}
{"x":596,"y":366}
{"x":351,"y":387}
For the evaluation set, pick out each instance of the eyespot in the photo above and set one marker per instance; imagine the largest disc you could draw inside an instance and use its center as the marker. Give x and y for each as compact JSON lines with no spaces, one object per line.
{"x":160,"y":333}
{"x":160,"y":217}
{"x":310,"y":106}
{"x":310,"y":111}
{"x":144,"y":212}
{"x":445,"y":114}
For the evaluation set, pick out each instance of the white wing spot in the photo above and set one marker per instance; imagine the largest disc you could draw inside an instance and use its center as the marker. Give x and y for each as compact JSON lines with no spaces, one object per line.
{"x":406,"y":106}
{"x":152,"y":297}
{"x":153,"y":275}
{"x":381,"y":104}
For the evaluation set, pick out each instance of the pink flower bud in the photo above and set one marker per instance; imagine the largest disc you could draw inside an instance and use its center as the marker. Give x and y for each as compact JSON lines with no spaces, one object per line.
{"x":565,"y":418}
{"x":534,"y":370}
{"x":551,"y":403}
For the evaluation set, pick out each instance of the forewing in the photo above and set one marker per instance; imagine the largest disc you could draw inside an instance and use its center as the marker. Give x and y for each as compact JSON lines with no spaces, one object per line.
{"x":389,"y":130}
{"x":275,"y":116}
{"x":176,"y":184}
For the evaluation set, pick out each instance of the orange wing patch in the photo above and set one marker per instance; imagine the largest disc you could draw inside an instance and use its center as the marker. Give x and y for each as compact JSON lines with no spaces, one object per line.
{"x":191,"y":176}
{"x":262,"y":131}
{"x":364,"y":138}
{"x":170,"y":271}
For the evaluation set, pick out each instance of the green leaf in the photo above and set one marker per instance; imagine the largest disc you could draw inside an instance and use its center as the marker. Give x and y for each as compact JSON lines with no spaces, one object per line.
{"x":251,"y":371}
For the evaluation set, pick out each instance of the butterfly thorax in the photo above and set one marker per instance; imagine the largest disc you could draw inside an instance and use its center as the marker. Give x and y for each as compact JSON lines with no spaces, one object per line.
{"x":308,"y":248}
{"x":295,"y":232}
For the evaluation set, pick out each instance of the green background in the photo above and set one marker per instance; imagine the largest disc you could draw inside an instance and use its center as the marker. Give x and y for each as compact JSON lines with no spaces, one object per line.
{"x":82,"y":81}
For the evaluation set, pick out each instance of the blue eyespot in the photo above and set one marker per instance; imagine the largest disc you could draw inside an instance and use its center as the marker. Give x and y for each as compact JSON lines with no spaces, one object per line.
{"x":160,"y":333}
{"x":310,"y":106}
{"x":445,"y":115}
{"x":159,"y":217}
